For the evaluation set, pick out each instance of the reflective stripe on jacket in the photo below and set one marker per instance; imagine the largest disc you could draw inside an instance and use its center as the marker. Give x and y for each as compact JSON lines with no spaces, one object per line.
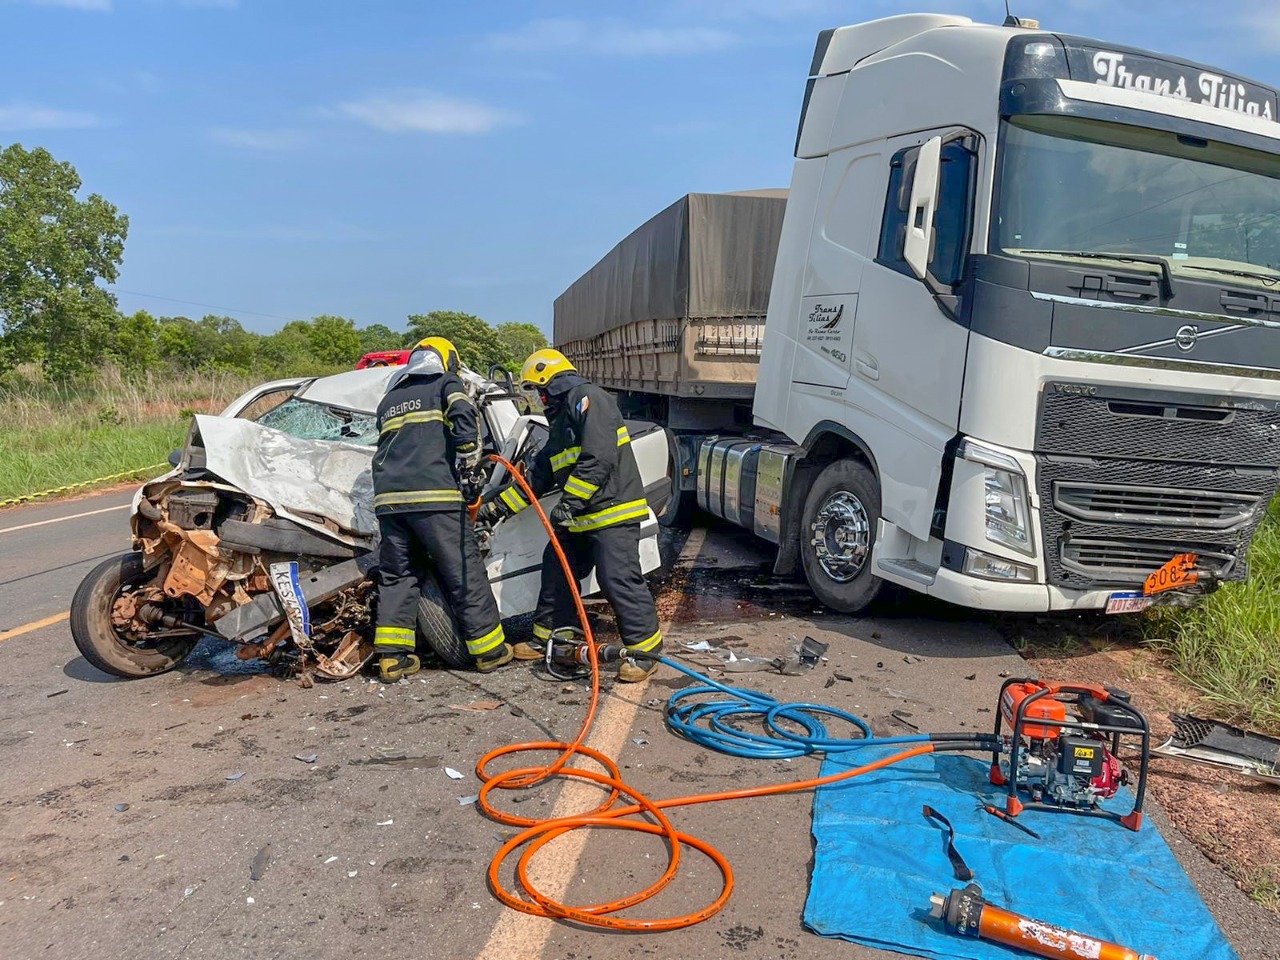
{"x":423,"y":424}
{"x":588,"y":454}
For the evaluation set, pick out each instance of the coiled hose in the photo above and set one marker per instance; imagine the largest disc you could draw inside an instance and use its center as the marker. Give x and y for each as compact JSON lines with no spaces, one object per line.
{"x":793,"y":730}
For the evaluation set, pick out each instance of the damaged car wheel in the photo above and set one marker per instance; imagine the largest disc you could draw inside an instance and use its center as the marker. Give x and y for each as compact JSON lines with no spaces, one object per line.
{"x":95,"y":634}
{"x":438,"y":628}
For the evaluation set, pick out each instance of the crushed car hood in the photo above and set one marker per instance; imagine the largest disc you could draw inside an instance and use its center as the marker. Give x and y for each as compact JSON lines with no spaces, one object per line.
{"x":307,"y":481}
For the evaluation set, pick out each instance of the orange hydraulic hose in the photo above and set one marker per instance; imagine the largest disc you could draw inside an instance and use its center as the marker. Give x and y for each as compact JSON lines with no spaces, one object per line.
{"x":538,"y":833}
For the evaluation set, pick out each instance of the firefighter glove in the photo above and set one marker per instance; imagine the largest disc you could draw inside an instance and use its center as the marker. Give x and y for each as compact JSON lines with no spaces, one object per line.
{"x":492,"y":512}
{"x":564,"y":512}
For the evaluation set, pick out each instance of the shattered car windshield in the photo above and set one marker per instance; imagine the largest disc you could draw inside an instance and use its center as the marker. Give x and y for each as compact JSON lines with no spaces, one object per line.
{"x":316,"y":421}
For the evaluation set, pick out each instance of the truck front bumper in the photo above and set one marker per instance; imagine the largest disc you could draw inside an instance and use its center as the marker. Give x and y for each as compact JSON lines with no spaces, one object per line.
{"x":982,"y":594}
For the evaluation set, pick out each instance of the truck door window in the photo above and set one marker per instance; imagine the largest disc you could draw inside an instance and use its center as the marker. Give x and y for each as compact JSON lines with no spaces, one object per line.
{"x":951,"y":220}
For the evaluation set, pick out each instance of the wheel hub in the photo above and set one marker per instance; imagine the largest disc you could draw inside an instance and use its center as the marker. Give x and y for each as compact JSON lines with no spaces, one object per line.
{"x":842,"y":536}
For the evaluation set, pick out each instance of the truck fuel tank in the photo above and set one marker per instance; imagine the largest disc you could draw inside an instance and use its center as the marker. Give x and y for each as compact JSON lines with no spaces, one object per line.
{"x":742,"y":481}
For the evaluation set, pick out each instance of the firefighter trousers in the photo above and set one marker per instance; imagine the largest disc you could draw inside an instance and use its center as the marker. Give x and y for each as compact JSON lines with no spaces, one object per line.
{"x":614,"y":552}
{"x":442,"y":542}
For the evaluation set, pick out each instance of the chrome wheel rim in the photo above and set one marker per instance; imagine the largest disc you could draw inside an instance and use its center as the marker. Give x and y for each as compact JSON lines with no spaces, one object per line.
{"x":842,"y":536}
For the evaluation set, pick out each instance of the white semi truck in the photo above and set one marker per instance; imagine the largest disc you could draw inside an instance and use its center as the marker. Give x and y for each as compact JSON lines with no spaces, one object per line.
{"x":1008,"y":340}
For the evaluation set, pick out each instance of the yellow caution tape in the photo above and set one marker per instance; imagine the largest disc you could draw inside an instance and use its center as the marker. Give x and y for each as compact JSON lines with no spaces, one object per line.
{"x":68,"y":487}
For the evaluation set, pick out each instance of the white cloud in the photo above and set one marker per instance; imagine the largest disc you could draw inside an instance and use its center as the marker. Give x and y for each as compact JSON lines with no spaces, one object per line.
{"x":613,"y":38}
{"x":425,"y":112}
{"x":98,"y":6}
{"x":266,"y":141}
{"x":31,"y":116}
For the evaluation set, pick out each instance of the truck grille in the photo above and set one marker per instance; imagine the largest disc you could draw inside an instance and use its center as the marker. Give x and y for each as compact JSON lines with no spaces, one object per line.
{"x":1123,"y":485}
{"x":1130,"y":561}
{"x":1117,"y":503}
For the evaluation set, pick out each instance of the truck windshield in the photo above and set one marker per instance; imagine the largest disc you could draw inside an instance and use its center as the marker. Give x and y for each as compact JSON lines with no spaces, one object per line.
{"x":1070,"y":186}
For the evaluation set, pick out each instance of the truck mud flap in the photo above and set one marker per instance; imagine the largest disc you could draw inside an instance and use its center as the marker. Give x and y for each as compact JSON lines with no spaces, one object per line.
{"x":252,"y":619}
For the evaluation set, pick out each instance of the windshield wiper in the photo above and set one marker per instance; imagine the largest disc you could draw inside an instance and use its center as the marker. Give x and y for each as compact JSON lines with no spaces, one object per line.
{"x":1268,"y":278}
{"x":1166,"y":275}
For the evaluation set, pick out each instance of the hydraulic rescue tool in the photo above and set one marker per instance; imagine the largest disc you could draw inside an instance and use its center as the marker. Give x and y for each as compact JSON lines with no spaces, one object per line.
{"x":1066,"y":760}
{"x":966,"y":914}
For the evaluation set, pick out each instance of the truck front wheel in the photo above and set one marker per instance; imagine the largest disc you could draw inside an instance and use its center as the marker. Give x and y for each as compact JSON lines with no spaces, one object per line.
{"x":837,"y":535}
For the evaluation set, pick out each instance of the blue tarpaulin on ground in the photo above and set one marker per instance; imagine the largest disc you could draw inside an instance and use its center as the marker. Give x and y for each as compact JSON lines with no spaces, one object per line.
{"x":877,"y":860}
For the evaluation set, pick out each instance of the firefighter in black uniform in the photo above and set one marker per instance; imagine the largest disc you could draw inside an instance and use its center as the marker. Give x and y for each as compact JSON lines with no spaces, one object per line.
{"x":428,"y":437}
{"x":588,"y":455}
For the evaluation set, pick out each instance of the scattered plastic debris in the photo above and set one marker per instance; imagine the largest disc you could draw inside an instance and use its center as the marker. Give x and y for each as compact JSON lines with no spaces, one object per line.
{"x":452,"y":773}
{"x":121,"y":807}
{"x":912,"y":658}
{"x":901,"y":717}
{"x":236,"y":776}
{"x":249,"y":900}
{"x":57,"y":693}
{"x":464,"y":801}
{"x":260,"y":863}
{"x":352,"y":874}
{"x":396,"y":760}
{"x":971,"y":676}
{"x":306,"y":758}
{"x":386,"y":823}
{"x":639,"y":741}
{"x":477,"y":705}
{"x":330,"y":860}
{"x":188,"y":892}
{"x":700,"y":647}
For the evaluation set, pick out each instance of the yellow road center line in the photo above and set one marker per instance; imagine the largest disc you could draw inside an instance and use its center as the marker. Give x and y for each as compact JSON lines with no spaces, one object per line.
{"x":74,"y":516}
{"x":34,"y":625}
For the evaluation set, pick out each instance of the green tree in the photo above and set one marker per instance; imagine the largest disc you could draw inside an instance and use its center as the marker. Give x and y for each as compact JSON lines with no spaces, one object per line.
{"x":334,"y":341}
{"x":377,"y":337}
{"x":477,"y":342}
{"x":54,"y":248}
{"x":521,"y":339}
{"x":136,"y":344}
{"x":179,"y":342}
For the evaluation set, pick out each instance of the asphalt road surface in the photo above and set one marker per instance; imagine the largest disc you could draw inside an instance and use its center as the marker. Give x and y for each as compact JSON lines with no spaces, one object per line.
{"x":131,"y":813}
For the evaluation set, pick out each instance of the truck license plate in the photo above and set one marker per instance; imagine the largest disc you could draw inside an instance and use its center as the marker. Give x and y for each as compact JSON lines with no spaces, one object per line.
{"x":1130,"y":602}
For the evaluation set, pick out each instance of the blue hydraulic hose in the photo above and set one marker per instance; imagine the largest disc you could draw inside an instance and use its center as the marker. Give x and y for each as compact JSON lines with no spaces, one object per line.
{"x":709,"y":722}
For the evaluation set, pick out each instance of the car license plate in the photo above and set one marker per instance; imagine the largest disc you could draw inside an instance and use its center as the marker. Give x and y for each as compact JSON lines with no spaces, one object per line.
{"x":1130,"y":602}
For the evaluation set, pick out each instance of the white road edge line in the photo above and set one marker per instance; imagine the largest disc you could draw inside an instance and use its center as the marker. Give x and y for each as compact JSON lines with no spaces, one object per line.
{"x":519,"y":934}
{"x":74,"y":516}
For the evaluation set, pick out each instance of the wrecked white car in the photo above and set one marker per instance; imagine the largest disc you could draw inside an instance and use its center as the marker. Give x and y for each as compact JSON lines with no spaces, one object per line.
{"x":271,"y":502}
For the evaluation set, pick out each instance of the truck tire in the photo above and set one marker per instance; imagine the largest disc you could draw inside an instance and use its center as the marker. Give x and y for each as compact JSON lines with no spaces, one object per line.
{"x":438,"y":629}
{"x":837,"y":536}
{"x":98,"y":641}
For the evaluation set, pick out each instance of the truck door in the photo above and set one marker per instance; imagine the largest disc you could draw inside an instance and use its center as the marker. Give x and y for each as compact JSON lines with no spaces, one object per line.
{"x":908,"y":352}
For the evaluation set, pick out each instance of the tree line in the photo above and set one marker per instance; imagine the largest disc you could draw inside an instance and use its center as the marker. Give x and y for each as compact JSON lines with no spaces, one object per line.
{"x":58,"y":251}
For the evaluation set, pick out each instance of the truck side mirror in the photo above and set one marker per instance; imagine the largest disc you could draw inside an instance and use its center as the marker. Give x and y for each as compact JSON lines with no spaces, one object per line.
{"x":924,"y":199}
{"x":175,"y":457}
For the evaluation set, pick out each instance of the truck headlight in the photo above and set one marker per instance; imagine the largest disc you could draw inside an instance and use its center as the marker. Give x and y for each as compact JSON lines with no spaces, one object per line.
{"x":1008,"y":508}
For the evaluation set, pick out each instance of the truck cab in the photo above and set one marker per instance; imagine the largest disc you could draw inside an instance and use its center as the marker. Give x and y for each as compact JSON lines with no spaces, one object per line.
{"x":1022,"y":331}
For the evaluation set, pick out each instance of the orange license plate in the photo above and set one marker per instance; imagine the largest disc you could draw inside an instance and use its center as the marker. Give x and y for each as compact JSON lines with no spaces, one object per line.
{"x":1177,"y":573}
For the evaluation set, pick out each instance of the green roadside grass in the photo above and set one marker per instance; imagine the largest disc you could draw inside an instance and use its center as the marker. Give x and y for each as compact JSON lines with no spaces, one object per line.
{"x":1228,"y":645}
{"x":53,"y":456}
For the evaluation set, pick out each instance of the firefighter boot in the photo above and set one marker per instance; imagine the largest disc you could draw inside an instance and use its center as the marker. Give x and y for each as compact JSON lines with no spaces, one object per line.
{"x":488,"y":662}
{"x":396,"y":666}
{"x":633,"y":670}
{"x":529,"y":651}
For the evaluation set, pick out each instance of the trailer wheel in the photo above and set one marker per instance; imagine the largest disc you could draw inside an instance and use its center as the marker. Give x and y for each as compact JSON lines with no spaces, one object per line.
{"x":438,"y":628}
{"x":837,"y":536}
{"x":96,"y":637}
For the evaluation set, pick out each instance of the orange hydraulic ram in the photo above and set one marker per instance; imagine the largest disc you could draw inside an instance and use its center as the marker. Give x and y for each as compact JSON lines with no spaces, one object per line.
{"x":965,"y":913}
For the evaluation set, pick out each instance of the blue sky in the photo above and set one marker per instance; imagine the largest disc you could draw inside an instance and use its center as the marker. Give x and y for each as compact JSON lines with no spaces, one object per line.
{"x":284,"y":158}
